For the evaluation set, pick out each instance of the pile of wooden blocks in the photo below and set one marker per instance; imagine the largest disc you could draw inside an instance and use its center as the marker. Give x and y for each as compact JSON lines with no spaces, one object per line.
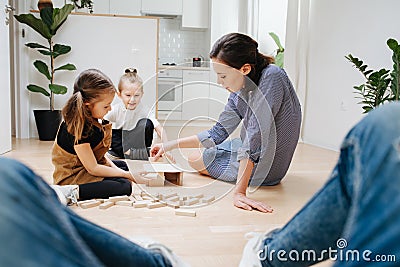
{"x":143,"y":200}
{"x":160,"y":170}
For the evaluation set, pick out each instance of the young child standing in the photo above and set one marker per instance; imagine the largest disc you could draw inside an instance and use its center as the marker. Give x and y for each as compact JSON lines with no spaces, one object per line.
{"x":133,"y":122}
{"x":83,"y":139}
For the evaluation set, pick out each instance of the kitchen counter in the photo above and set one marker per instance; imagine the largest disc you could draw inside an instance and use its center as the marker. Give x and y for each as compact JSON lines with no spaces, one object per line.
{"x":184,"y":67}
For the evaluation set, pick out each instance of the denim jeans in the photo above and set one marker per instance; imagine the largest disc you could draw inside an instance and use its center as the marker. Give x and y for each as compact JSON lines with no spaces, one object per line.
{"x":357,"y":212}
{"x":37,"y":230}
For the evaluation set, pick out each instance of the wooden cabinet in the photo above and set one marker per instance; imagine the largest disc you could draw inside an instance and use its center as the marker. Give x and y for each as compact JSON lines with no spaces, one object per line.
{"x":195,"y":94}
{"x":162,"y":7}
{"x":195,"y":13}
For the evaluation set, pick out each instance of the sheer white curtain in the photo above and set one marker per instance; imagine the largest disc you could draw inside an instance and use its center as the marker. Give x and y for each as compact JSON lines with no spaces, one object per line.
{"x":252,"y":20}
{"x":296,"y":50}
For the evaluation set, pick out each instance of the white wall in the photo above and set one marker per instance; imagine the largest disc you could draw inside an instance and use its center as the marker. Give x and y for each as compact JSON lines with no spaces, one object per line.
{"x":337,"y":28}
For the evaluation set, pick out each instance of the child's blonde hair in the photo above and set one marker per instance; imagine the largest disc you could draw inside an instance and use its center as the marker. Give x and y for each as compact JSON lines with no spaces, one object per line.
{"x":90,"y":85}
{"x":130,"y":76}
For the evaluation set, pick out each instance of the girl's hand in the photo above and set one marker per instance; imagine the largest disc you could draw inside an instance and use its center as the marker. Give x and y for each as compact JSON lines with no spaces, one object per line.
{"x":241,"y":201}
{"x":137,"y":177}
{"x":157,"y":151}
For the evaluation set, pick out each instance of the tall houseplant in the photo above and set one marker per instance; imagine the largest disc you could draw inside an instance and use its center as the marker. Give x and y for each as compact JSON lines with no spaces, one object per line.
{"x":47,"y":26}
{"x":382,"y":85}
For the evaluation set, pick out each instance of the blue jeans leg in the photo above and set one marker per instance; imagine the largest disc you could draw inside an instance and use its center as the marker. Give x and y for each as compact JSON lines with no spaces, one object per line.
{"x":372,"y":230}
{"x":358,"y":208}
{"x":36,"y":230}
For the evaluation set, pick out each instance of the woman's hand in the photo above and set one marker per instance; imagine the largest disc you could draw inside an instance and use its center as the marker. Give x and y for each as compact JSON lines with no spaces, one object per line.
{"x":169,"y":157}
{"x":241,"y":201}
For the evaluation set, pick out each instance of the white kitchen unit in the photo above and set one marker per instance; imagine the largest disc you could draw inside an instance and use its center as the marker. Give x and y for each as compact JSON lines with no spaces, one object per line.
{"x":117,"y":7}
{"x":170,"y":94}
{"x":195,"y":13}
{"x":125,"y":7}
{"x":196,"y":91}
{"x":162,"y":7}
{"x":101,"y":7}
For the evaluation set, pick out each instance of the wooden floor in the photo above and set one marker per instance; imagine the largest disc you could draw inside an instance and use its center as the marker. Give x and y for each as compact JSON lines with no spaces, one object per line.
{"x":215,"y":237}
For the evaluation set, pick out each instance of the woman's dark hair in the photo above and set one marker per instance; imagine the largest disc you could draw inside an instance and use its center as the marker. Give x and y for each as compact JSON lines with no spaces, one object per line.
{"x":89,"y":87}
{"x":236,"y":49}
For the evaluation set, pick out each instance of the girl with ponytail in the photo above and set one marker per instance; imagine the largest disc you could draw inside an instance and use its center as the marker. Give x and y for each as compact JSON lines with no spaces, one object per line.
{"x":263,"y":99}
{"x":81,"y":169}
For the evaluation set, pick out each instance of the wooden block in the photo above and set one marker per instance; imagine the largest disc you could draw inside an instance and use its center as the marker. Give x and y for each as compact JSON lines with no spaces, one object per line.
{"x":155,"y":183}
{"x":200,"y":195}
{"x":106,"y":205}
{"x":92,"y":204}
{"x":173,"y":198}
{"x":191,"y":201}
{"x":85,"y":202}
{"x":164,"y":196}
{"x":184,"y":212}
{"x":174,"y":177}
{"x":140,"y":204}
{"x":155,"y":175}
{"x":174,"y":204}
{"x":124,"y":203}
{"x":138,"y":197}
{"x":156,"y":179}
{"x":160,"y":160}
{"x":208,"y":199}
{"x":118,"y":198}
{"x":155,"y":205}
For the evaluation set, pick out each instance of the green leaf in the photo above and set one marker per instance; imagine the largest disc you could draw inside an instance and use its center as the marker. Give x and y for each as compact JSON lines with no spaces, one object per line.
{"x":66,"y":67}
{"x":276,"y":39}
{"x":46,"y":14}
{"x":279,"y":59}
{"x":60,"y":16}
{"x":36,"y":45}
{"x":58,"y":89}
{"x":393,"y":45}
{"x":59,"y":50}
{"x":36,"y":24}
{"x":42,"y":68}
{"x":45,"y":52}
{"x":37,"y":89}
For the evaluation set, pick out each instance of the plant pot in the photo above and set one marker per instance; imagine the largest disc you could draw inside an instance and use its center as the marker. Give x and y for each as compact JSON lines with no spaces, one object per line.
{"x":47,"y":123}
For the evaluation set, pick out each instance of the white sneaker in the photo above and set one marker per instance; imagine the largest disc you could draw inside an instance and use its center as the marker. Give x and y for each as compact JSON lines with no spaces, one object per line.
{"x":67,"y":194}
{"x":250,"y":256}
{"x":167,"y":253}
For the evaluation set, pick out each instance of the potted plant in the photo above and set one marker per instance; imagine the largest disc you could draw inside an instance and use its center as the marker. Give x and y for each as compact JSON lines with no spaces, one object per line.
{"x":382,"y":85}
{"x":279,"y":57}
{"x":51,"y":19}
